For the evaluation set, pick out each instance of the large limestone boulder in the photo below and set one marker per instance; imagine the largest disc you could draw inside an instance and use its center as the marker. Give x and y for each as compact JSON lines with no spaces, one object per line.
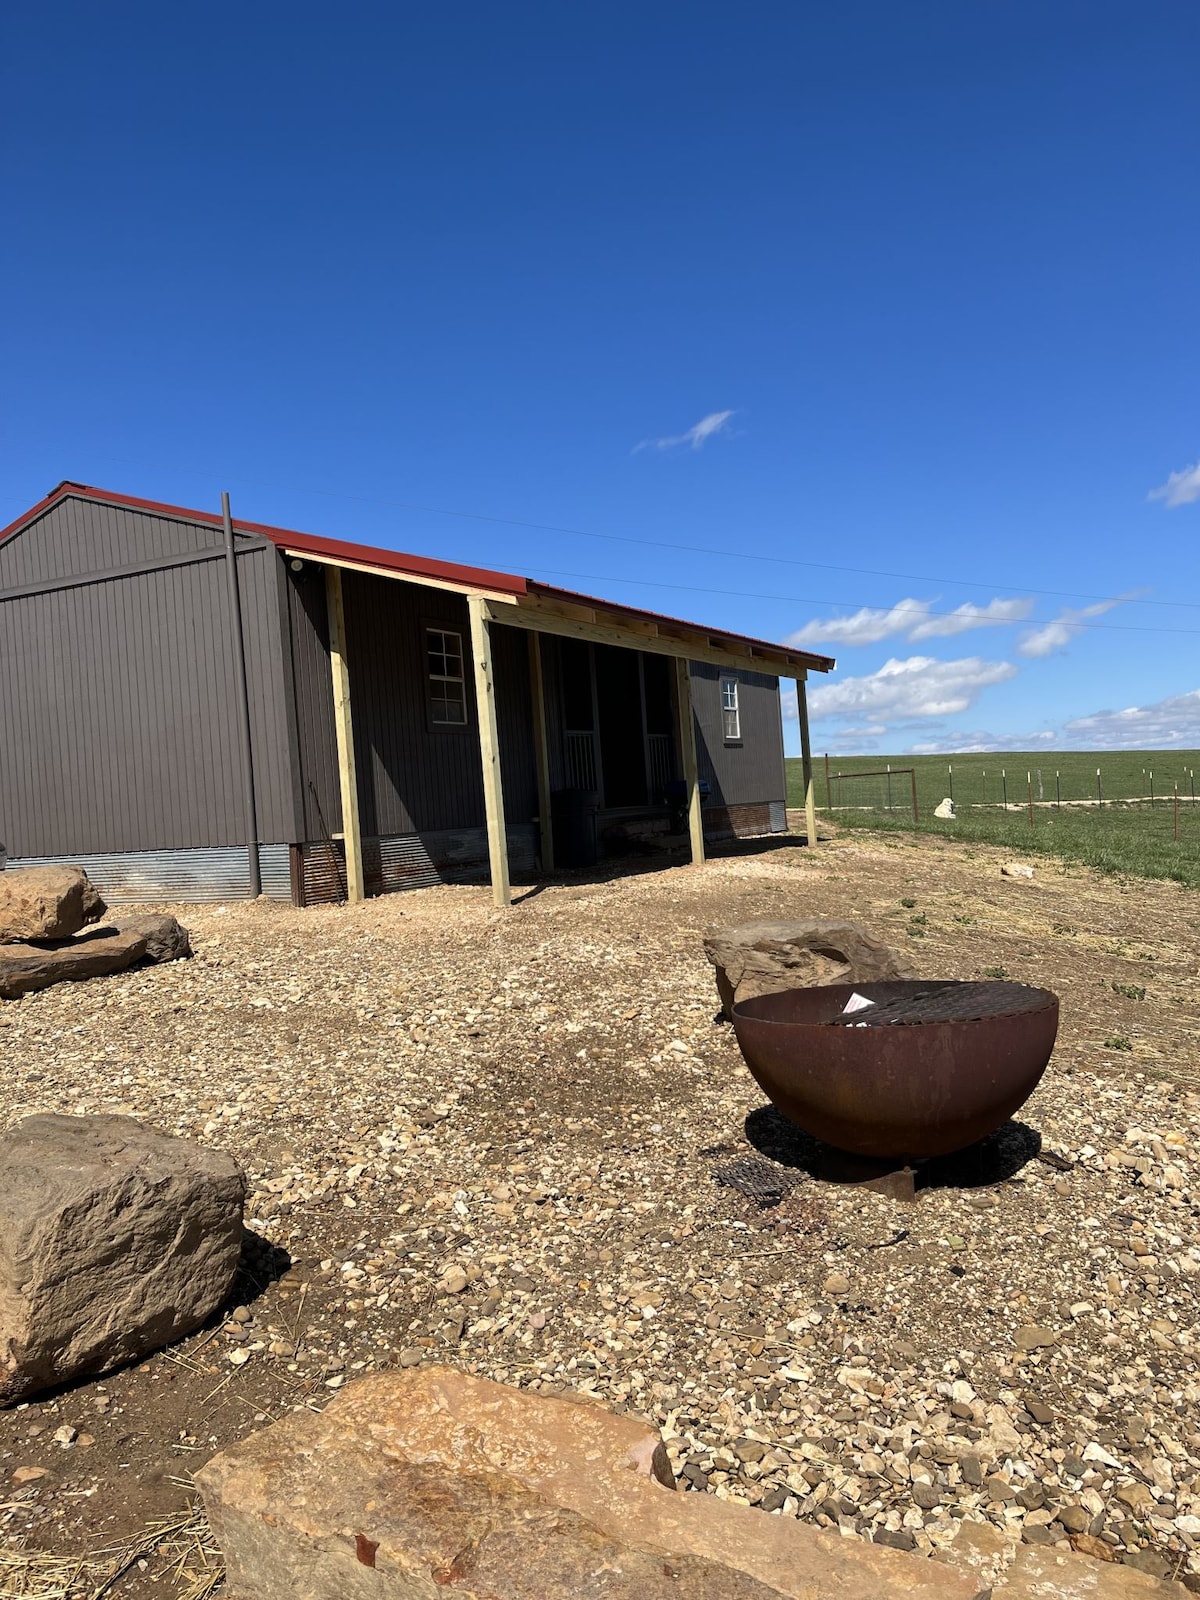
{"x":94,"y":953}
{"x":47,"y":903}
{"x":412,"y":1483}
{"x":115,"y":1240}
{"x":754,"y":958}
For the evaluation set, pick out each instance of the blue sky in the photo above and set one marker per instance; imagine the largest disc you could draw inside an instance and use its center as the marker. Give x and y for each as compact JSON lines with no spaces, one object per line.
{"x":872,"y":309}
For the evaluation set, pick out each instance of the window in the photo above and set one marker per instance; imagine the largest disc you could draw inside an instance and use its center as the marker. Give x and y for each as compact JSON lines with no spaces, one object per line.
{"x":730,"y":716}
{"x":447,"y":690}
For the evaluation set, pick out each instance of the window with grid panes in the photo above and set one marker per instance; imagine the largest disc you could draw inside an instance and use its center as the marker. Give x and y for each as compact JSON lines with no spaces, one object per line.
{"x":447,"y":687}
{"x":730,"y":716}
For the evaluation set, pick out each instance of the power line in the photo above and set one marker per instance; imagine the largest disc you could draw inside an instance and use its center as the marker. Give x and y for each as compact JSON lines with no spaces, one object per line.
{"x":814,"y":600}
{"x":663,"y":544}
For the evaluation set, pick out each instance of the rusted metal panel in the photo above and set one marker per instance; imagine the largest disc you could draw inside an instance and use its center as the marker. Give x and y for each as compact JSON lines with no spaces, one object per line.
{"x":195,"y":877}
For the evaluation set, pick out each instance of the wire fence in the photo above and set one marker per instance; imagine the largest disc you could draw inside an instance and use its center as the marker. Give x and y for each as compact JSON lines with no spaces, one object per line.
{"x":943,"y":792}
{"x":1136,"y":812}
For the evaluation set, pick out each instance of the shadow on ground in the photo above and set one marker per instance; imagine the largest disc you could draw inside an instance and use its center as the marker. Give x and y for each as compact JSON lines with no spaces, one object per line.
{"x":993,"y":1160}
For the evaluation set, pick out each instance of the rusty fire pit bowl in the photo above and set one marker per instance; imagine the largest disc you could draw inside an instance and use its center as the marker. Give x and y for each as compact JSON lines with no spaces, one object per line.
{"x":966,"y":1057}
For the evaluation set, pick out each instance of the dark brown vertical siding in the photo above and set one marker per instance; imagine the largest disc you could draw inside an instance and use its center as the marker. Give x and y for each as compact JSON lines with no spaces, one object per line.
{"x":412,"y":777}
{"x":313,"y":688}
{"x":77,"y":536}
{"x":118,"y":715}
{"x":752,"y":770}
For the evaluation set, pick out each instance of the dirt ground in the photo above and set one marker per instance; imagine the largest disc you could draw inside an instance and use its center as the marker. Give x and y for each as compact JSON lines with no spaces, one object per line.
{"x":493,"y":1139}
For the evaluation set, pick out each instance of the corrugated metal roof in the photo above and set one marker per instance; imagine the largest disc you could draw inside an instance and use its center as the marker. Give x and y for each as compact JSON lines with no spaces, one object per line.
{"x":402,"y":564}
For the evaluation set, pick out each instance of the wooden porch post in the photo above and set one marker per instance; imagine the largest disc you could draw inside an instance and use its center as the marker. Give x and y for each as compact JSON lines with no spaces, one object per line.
{"x":806,"y":766}
{"x":344,"y":723}
{"x":541,"y":752}
{"x":687,"y":754}
{"x":489,"y":749}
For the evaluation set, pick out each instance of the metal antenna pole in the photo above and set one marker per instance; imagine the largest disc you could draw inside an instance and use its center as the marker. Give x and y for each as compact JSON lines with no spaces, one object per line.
{"x":243,"y":688}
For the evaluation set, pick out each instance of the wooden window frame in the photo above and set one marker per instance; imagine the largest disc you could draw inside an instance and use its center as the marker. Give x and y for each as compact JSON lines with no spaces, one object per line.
{"x":733,"y":739}
{"x":430,"y":626}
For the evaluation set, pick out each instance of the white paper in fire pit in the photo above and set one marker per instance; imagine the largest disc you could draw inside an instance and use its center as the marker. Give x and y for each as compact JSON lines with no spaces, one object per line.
{"x":856,"y":1002}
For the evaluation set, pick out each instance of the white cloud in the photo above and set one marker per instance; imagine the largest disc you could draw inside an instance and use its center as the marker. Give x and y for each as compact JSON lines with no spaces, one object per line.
{"x":965,"y":617}
{"x":867,"y":626}
{"x":1180,"y":489}
{"x":1056,"y":635}
{"x":1170,"y":724}
{"x":696,"y":436}
{"x":919,"y":686}
{"x":914,"y":619}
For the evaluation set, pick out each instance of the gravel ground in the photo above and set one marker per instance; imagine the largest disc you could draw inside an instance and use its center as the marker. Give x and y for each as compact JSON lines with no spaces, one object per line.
{"x":496,"y":1139}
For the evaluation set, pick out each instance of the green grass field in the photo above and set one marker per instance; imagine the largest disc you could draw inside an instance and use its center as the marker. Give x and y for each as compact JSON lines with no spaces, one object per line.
{"x":1128,"y":835}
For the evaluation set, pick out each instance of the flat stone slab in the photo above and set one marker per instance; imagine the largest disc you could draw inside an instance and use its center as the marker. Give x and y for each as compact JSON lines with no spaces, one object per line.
{"x":115,"y":1240}
{"x":46,"y":902}
{"x":432,"y":1480}
{"x":1042,"y":1573}
{"x":94,"y":953}
{"x":755,"y":958}
{"x":166,"y":938}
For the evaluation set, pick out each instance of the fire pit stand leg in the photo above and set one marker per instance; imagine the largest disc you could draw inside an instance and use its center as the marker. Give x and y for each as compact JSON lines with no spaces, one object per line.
{"x":883,"y":1177}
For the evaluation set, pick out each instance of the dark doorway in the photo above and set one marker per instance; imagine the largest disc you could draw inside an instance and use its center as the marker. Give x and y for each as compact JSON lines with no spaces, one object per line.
{"x":622,"y":731}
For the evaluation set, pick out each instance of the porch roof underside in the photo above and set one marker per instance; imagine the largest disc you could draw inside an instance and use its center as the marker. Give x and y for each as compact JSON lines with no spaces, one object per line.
{"x":543,"y":608}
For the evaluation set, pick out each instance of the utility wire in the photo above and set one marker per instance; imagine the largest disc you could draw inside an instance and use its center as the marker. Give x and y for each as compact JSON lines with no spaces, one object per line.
{"x":663,"y":544}
{"x":813,"y":600}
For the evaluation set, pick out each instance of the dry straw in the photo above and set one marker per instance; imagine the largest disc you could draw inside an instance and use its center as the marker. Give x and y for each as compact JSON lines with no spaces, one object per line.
{"x":179,"y":1546}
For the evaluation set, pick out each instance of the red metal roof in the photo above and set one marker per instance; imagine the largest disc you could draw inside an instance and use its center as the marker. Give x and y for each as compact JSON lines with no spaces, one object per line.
{"x":400,"y":563}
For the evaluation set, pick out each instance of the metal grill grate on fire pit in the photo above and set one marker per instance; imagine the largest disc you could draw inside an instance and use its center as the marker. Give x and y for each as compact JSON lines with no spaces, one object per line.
{"x":943,"y":1002}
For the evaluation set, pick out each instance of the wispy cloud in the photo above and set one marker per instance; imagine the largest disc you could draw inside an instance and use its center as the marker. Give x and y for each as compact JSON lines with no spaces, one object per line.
{"x":979,"y":743}
{"x":965,"y":617}
{"x":695,"y":438}
{"x":1170,"y":724}
{"x":1180,"y":489}
{"x":1056,"y":635}
{"x":919,"y":686}
{"x":913,"y":619}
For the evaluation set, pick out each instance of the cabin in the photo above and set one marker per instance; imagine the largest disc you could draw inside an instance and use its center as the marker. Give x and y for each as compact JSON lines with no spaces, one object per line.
{"x":198,"y":708}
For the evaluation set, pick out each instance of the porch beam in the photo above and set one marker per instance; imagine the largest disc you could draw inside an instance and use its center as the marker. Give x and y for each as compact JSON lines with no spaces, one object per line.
{"x":660,"y":643}
{"x":806,"y":766}
{"x":489,"y":748}
{"x":344,"y":565}
{"x":687,"y":756}
{"x":343,"y":718}
{"x":541,"y":752}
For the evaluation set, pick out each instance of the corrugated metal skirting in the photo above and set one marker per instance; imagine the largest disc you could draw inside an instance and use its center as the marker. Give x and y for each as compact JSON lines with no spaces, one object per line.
{"x":410,"y":861}
{"x":194,"y":876}
{"x":778,"y":816}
